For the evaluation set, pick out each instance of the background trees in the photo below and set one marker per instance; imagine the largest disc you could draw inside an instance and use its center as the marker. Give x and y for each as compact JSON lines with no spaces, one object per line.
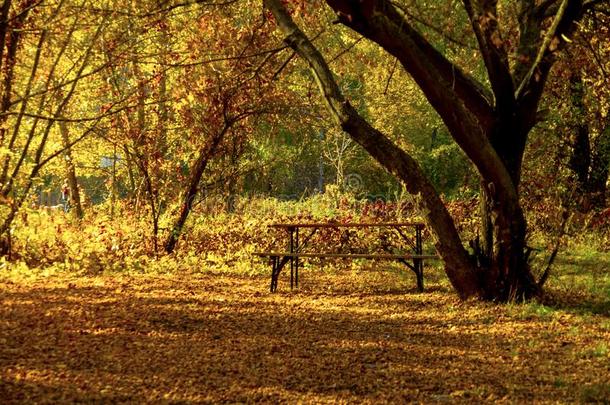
{"x":49,"y":53}
{"x":149,"y":109}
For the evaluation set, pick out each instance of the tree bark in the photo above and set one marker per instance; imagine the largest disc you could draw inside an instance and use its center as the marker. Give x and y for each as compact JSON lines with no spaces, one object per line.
{"x":600,"y":167}
{"x":590,"y":155}
{"x":4,"y":13}
{"x":8,"y":60}
{"x":192,"y":188}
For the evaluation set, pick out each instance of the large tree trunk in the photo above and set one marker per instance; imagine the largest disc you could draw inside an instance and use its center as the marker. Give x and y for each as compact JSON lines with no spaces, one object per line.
{"x":502,"y":254}
{"x":490,"y":127}
{"x":590,"y":156}
{"x":502,"y":258}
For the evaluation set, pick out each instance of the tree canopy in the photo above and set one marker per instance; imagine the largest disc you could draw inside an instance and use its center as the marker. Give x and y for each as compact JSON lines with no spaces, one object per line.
{"x":159,"y":109}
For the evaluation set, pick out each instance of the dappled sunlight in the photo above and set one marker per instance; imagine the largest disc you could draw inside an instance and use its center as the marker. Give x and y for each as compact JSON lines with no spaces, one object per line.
{"x":220,"y":338}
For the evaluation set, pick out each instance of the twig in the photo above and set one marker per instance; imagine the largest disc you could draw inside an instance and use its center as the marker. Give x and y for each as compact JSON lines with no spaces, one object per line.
{"x":545,"y":44}
{"x":553,"y":256}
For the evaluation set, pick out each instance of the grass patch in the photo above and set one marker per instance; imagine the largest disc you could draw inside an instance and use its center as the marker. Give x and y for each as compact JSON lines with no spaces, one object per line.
{"x":596,"y":393}
{"x":601,"y":350}
{"x":580,"y":281}
{"x":531,"y":310}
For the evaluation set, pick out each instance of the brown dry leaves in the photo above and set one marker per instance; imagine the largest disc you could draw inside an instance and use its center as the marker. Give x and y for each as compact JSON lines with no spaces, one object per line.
{"x":342,"y":338}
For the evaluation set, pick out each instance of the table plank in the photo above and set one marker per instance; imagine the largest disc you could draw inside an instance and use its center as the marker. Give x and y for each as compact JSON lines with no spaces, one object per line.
{"x":347,"y":255}
{"x":347,"y":225}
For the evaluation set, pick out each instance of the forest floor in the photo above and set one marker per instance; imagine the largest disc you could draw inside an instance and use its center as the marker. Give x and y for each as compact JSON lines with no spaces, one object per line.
{"x":352,"y":336}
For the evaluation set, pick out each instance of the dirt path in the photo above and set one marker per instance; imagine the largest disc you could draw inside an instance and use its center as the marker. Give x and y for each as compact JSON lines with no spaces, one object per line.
{"x":223,"y":338}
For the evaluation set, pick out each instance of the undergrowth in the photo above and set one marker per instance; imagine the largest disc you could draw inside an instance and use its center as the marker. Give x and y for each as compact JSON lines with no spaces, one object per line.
{"x":215,"y":240}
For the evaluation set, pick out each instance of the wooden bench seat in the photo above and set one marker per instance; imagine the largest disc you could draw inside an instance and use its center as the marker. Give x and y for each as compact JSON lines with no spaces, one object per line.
{"x":346,"y":255}
{"x":279,"y":259}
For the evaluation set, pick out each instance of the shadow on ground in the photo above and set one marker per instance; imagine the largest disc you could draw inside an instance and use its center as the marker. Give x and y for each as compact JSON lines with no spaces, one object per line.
{"x":223,"y":338}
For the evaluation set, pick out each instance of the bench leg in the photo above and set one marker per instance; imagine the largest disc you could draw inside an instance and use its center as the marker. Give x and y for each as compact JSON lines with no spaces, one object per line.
{"x":418,"y":264}
{"x":292,"y":250}
{"x":277,"y":263}
{"x":419,"y":273}
{"x":291,"y":273}
{"x":274,"y":263}
{"x":418,"y":268}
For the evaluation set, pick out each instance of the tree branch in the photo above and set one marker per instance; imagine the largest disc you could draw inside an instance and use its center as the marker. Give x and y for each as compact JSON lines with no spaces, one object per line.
{"x":453,"y":95}
{"x":529,"y":91}
{"x":484,"y":21}
{"x":387,"y":25}
{"x":543,"y":48}
{"x":394,"y":159}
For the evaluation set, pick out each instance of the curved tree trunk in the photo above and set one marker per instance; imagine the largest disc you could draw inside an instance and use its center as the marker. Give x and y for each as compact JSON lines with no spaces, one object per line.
{"x":457,"y":262}
{"x":190,"y":193}
{"x":491,"y":127}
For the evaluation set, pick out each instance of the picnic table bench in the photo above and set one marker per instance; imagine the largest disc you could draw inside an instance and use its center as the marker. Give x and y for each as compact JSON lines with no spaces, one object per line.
{"x":413,"y":257}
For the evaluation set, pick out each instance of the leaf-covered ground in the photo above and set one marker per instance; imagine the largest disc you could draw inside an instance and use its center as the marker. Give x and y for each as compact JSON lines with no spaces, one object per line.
{"x":351,"y":337}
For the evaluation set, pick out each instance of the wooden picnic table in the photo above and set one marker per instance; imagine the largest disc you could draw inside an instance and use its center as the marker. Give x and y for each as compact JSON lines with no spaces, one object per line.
{"x":413,"y":259}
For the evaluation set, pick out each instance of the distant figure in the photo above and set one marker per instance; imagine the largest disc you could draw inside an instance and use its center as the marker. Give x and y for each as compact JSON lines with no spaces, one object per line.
{"x":65,"y":196}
